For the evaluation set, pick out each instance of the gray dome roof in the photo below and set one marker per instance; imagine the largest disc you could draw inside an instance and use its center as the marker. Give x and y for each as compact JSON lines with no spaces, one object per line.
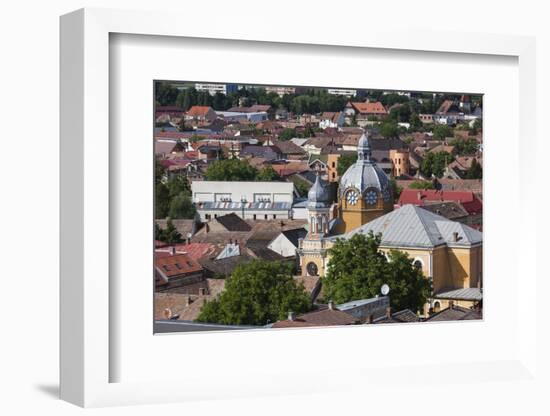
{"x":364,"y":173}
{"x":319,"y":195}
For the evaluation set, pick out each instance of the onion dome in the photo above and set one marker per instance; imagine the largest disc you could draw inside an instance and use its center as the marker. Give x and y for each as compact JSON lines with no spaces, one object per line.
{"x":365,"y":174}
{"x":319,"y":195}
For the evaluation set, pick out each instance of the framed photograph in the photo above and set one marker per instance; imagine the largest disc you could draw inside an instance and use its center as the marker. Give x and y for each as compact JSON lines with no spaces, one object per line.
{"x":288,"y":213}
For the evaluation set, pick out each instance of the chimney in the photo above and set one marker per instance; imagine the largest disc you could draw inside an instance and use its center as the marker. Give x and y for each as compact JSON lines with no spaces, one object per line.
{"x":370,"y":318}
{"x":455,"y":236}
{"x":388,"y":312}
{"x":291,"y":316}
{"x":202,"y":291}
{"x":167,"y":313}
{"x":331,"y":305}
{"x":451,"y":304}
{"x":419,"y":196}
{"x":172,"y":250}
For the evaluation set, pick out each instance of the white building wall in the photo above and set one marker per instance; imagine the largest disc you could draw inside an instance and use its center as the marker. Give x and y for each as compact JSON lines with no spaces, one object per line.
{"x":206,"y":191}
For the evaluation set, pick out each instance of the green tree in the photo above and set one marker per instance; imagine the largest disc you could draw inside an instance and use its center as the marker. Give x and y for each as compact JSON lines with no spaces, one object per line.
{"x":162,"y":200}
{"x":465,"y":147}
{"x":178,"y":184}
{"x":389,"y":129}
{"x":475,"y":171}
{"x":158,"y":232}
{"x":231,"y":170}
{"x":165,"y":93}
{"x":435,"y":164}
{"x":171,"y":235}
{"x":441,"y":131}
{"x":477,"y":126}
{"x":267,"y":174}
{"x":421,"y":185}
{"x":409,"y":289}
{"x":357,"y":269}
{"x":257,"y":293}
{"x":345,"y":161}
{"x":416,"y":123}
{"x":287,"y":134}
{"x":401,"y":114}
{"x":182,"y":207}
{"x":396,"y":190}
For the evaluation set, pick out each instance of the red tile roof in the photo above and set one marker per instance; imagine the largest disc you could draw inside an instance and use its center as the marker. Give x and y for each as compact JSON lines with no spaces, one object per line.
{"x":176,"y":265}
{"x":467,"y":199}
{"x":370,"y":108}
{"x":198,"y":110}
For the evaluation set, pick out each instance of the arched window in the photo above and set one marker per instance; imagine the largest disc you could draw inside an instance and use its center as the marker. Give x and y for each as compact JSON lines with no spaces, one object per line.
{"x":419,"y":264}
{"x":437,"y":307}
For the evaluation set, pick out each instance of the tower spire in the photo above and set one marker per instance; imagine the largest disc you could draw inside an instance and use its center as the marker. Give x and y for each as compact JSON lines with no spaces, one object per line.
{"x":363,"y":148}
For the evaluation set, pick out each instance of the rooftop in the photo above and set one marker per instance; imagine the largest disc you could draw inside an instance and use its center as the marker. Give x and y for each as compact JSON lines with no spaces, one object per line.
{"x":412,"y":226}
{"x":467,"y":293}
{"x":325,"y":317}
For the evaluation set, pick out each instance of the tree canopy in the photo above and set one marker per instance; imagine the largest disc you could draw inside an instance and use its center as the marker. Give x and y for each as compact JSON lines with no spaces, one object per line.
{"x":172,"y":196}
{"x":441,"y":131}
{"x":465,"y":147}
{"x":181,"y":206}
{"x":421,"y":185}
{"x":475,"y":171}
{"x":357,"y":269}
{"x":389,"y":129}
{"x":435,"y":164}
{"x":257,"y":293}
{"x":231,"y":170}
{"x":267,"y":174}
{"x":169,"y":235}
{"x":345,"y":161}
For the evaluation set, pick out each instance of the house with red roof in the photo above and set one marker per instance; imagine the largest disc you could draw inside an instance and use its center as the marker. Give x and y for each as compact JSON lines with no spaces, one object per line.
{"x":175,"y":270}
{"x":165,"y":113}
{"x":200,"y":115}
{"x":363,"y":112}
{"x":467,"y":200}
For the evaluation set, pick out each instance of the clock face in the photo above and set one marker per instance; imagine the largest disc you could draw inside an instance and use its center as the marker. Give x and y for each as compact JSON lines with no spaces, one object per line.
{"x":371,"y":197}
{"x":352,"y":197}
{"x":312,"y":269}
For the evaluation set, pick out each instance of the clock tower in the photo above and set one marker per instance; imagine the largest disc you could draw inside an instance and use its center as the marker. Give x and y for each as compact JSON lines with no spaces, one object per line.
{"x":364,"y":192}
{"x":312,"y":252}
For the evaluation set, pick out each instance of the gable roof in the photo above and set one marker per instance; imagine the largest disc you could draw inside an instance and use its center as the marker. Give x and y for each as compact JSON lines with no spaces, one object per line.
{"x":412,"y":226}
{"x":199,"y":110}
{"x":448,"y":106}
{"x":375,"y":107}
{"x":450,"y":209}
{"x":456,"y":313}
{"x":232,"y":222}
{"x":324,"y":317}
{"x":467,"y":199}
{"x":294,"y":235}
{"x":406,"y":315}
{"x":176,"y":265}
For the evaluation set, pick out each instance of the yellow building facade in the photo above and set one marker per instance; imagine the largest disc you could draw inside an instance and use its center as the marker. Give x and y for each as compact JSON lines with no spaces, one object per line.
{"x":449,"y":253}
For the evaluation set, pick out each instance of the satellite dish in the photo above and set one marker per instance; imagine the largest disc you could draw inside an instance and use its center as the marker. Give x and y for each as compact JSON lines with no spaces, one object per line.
{"x":385,"y":289}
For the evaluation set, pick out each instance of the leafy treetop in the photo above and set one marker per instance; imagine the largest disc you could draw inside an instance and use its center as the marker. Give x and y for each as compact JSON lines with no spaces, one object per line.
{"x":257,"y":293}
{"x":357,"y":269}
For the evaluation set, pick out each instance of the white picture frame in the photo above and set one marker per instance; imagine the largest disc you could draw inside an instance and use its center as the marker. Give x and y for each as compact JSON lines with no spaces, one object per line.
{"x":87,"y":309}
